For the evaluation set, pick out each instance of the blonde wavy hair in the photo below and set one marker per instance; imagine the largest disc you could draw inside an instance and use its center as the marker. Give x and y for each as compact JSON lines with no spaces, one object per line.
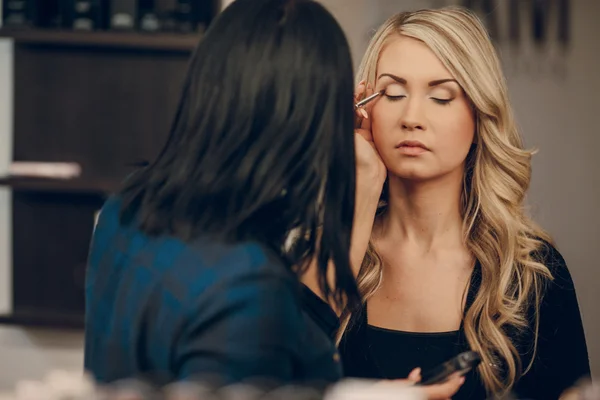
{"x":497,"y":175}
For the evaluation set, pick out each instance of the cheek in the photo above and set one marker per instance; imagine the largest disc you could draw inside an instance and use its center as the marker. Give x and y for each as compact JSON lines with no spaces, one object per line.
{"x":382,"y":125}
{"x":458,"y":137}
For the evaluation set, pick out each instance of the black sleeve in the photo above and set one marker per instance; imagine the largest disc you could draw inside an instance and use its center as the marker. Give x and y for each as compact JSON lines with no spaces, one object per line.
{"x":320,"y":312}
{"x":561,"y":358}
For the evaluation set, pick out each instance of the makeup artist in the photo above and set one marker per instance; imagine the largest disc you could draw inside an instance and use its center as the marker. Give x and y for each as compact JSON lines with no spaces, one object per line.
{"x":187,"y":275}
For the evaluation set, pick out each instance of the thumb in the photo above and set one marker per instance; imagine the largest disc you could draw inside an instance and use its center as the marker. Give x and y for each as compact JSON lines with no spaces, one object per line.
{"x":415,"y":375}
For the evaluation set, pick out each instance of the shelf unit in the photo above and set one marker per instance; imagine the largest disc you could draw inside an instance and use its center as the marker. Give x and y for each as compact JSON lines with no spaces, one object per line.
{"x":104,"y":39}
{"x":104,"y":100}
{"x":78,"y":185}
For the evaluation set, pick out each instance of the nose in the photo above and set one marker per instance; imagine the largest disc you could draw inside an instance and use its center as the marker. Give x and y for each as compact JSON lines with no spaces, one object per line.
{"x":412,"y":116}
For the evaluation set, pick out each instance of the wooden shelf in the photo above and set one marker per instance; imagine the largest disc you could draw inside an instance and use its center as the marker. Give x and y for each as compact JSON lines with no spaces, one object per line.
{"x":126,"y":40}
{"x":44,"y":320}
{"x":102,"y":99}
{"x":59,"y":185}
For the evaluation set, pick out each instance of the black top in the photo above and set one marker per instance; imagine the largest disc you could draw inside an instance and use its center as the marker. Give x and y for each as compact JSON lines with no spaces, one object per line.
{"x":561,"y":357}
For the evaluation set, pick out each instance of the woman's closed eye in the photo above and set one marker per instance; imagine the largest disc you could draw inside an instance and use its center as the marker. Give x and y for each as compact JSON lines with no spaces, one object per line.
{"x":442,"y":96}
{"x":395,"y":92}
{"x":441,"y":101}
{"x":395,"y":98}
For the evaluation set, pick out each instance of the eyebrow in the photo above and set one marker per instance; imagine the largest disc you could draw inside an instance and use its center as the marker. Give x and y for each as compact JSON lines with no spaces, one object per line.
{"x":430,"y":84}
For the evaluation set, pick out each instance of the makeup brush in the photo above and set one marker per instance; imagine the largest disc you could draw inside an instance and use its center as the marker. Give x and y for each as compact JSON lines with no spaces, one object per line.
{"x":367,"y":100}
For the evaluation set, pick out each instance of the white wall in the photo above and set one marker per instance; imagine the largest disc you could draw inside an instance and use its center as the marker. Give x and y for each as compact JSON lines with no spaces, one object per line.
{"x":559,"y":116}
{"x":6,"y":101}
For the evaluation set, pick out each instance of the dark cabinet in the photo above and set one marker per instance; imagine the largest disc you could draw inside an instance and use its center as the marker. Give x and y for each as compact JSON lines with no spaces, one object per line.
{"x":104,"y":100}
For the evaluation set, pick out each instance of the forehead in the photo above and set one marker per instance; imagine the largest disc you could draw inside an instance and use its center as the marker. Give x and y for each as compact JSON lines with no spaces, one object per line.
{"x":410,"y":59}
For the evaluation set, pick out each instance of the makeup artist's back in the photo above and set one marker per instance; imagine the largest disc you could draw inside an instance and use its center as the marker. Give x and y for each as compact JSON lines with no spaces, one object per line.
{"x":187,"y":277}
{"x":163,"y":309}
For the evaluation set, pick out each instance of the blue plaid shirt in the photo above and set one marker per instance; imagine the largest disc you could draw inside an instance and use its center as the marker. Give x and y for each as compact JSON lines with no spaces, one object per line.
{"x":162,"y":309}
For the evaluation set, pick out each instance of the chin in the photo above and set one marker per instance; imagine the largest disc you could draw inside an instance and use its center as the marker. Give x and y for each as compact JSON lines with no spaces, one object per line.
{"x":413,"y":174}
{"x":412,"y":171}
{"x":421,"y":172}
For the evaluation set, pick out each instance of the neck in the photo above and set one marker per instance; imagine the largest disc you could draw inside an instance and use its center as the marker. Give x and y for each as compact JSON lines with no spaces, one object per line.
{"x":425,"y":213}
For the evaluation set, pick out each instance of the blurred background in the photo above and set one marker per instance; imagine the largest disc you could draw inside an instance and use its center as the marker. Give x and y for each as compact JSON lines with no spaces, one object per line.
{"x":88,"y":88}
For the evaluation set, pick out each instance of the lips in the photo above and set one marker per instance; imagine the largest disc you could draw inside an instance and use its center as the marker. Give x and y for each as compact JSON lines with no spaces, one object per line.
{"x":411,"y":148}
{"x":412,"y":144}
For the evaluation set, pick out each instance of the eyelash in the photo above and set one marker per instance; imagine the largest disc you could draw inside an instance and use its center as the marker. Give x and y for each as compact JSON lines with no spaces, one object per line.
{"x":395,"y":98}
{"x":442,"y":102}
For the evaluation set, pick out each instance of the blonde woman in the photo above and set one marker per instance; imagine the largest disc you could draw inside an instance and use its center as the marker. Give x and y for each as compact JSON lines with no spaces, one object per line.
{"x":448,"y":259}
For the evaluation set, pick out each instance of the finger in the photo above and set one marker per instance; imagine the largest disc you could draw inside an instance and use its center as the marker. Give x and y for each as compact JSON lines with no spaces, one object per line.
{"x":365,"y":123}
{"x":359,"y":91}
{"x":415,"y":375}
{"x":365,"y":111}
{"x":369,"y":90}
{"x":359,"y":116}
{"x":366,"y":134}
{"x":358,"y":95}
{"x":366,"y":93}
{"x":444,"y":390}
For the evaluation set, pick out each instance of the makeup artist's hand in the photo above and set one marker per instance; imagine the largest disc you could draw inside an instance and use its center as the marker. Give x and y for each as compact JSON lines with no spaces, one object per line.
{"x":440,"y":391}
{"x":369,"y":166}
